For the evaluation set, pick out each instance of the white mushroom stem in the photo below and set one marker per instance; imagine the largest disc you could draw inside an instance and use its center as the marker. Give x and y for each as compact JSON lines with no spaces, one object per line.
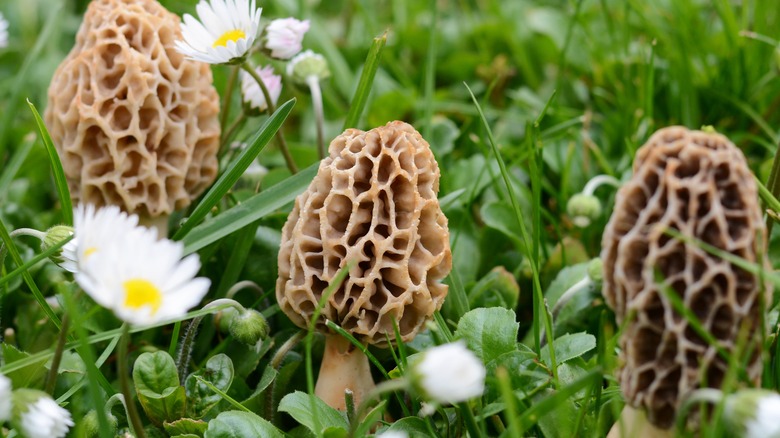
{"x":633,"y":423}
{"x":160,"y":223}
{"x":344,"y":366}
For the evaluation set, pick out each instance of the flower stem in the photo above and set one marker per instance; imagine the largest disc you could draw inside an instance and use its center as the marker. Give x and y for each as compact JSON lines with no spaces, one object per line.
{"x":599,"y":180}
{"x":229,"y":133}
{"x":124,"y":380}
{"x":228,"y":96}
{"x":471,"y":422}
{"x":271,"y":108}
{"x":316,"y":102}
{"x":51,"y":378}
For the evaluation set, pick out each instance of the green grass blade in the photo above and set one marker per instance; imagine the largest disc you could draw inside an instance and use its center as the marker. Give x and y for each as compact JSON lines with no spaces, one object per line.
{"x":27,"y":265}
{"x":430,"y":71}
{"x":366,"y":82}
{"x":237,"y":168}
{"x":12,"y":168}
{"x":530,"y":416}
{"x":56,"y":167}
{"x":248,"y":211}
{"x":6,"y":238}
{"x":105,"y":336}
{"x":23,"y":74}
{"x":539,"y":306}
{"x":222,"y":394}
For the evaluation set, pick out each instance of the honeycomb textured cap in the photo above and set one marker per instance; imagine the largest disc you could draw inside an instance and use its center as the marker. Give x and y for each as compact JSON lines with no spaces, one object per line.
{"x":135,"y":124}
{"x":373,"y":205}
{"x":699,"y":185}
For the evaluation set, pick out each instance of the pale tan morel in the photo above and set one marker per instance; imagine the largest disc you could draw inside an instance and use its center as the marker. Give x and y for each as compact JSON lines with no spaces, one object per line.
{"x":699,"y":185}
{"x":136,"y":125}
{"x":373,"y":205}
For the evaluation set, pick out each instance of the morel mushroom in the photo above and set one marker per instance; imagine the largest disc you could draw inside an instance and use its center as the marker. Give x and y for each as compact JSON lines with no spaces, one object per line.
{"x":136,"y":125}
{"x":698,"y":184}
{"x":373,"y":206}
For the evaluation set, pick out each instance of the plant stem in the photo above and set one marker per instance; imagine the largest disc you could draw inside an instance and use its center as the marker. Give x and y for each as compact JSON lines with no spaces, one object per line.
{"x":228,"y":96}
{"x":51,"y":379}
{"x":316,"y":102}
{"x":229,"y":133}
{"x":124,"y":381}
{"x":471,"y":422}
{"x":183,"y":358}
{"x":599,"y":180}
{"x":276,"y":363}
{"x":271,"y":108}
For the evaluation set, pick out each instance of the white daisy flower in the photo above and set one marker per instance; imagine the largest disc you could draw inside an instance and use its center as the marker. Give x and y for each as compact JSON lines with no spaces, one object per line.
{"x":44,"y":418}
{"x":5,"y":399}
{"x":284,"y":37}
{"x":251,"y":91}
{"x":225,"y":33}
{"x":449,"y":373}
{"x":3,"y":31}
{"x":141,"y":279}
{"x":97,"y":228}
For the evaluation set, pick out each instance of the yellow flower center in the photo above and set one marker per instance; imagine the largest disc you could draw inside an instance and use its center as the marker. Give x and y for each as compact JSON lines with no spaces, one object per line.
{"x":140,"y":293}
{"x":89,"y":251}
{"x":231,"y":35}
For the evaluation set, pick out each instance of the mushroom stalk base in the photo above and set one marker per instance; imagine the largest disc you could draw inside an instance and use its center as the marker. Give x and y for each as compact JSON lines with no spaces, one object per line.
{"x":157,"y":222}
{"x":633,"y":424}
{"x":343,"y":367}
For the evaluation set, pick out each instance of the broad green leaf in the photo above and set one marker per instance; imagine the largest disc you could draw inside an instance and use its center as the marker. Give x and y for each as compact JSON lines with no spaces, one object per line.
{"x":157,"y":384}
{"x":500,"y":216}
{"x":498,"y":288}
{"x":252,"y":209}
{"x":31,"y":376}
{"x":56,"y":167}
{"x":444,"y":132}
{"x":489,"y":332}
{"x":299,"y":405}
{"x":186,"y":426}
{"x":219,"y":372}
{"x":365,"y":83}
{"x":415,"y":427}
{"x":236,"y":168}
{"x":238,"y":424}
{"x":269,"y":375}
{"x":569,"y":346}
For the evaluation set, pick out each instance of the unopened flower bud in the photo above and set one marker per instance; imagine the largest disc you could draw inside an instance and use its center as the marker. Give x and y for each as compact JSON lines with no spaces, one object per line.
{"x":90,"y":426}
{"x":284,"y":37}
{"x":308,"y":64}
{"x":249,"y":327}
{"x":252,"y":93}
{"x":65,"y":257}
{"x":596,"y":270}
{"x":583,"y":209}
{"x":36,"y":415}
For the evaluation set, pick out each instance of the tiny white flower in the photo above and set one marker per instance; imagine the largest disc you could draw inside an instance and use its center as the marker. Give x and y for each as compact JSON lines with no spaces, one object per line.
{"x":450,"y":373}
{"x":96,"y":228}
{"x":44,"y":418}
{"x":251,"y":91}
{"x":141,"y":279}
{"x":5,"y":398}
{"x":308,"y":64}
{"x":285,"y":37}
{"x":225,"y":33}
{"x":3,"y":31}
{"x":255,"y":171}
